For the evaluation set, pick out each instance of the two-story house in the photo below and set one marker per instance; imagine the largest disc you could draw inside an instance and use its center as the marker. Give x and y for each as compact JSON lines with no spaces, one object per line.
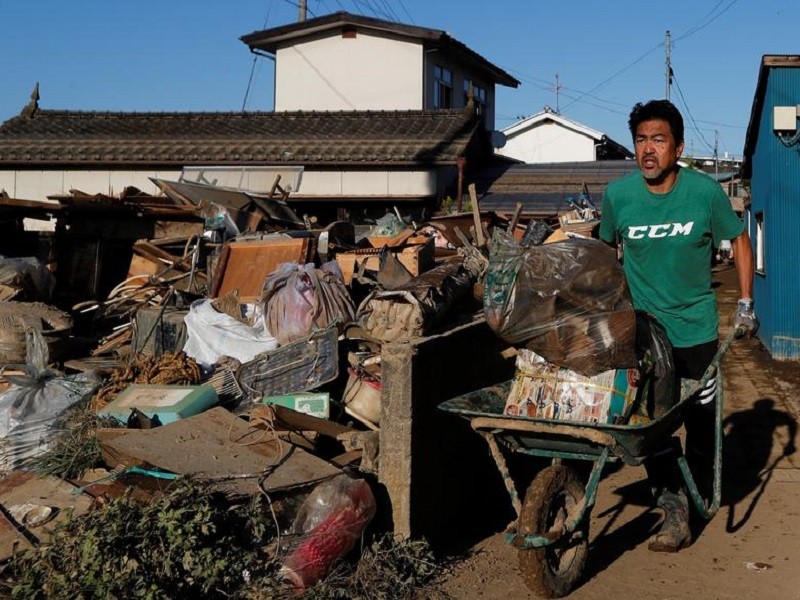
{"x":372,"y":112}
{"x":351,"y":62}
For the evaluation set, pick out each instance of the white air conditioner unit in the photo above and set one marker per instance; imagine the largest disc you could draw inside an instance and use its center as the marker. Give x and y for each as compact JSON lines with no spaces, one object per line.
{"x":784,"y":118}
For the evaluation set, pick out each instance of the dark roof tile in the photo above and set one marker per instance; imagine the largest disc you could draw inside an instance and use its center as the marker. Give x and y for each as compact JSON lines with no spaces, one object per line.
{"x":71,"y":137}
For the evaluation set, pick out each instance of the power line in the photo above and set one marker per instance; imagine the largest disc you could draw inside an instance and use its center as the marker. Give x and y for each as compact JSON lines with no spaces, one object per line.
{"x":389,"y":10}
{"x":297,"y":5}
{"x":547,"y":86}
{"x":255,"y":57}
{"x":405,"y":10}
{"x":689,"y":112}
{"x":697,"y":28}
{"x":363,"y":7}
{"x":616,"y":74}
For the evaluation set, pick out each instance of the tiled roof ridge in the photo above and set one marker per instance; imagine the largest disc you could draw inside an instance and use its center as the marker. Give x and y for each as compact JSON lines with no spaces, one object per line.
{"x":47,"y":113}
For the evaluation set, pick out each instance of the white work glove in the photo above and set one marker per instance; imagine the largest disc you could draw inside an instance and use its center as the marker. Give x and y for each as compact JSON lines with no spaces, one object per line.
{"x":745,"y":316}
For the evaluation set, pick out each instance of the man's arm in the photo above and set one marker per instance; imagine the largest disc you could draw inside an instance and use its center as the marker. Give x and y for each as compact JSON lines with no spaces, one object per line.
{"x":743,"y":258}
{"x":745,"y":316}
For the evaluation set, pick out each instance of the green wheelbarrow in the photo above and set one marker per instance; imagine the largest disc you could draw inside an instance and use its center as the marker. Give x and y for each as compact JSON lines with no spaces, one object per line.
{"x":551,"y":532}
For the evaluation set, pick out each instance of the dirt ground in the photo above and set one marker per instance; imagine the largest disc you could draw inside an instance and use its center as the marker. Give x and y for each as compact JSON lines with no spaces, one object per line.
{"x":749,"y":550}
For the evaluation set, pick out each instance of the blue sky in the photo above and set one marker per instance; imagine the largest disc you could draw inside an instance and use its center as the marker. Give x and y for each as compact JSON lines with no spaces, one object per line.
{"x":148,"y":55}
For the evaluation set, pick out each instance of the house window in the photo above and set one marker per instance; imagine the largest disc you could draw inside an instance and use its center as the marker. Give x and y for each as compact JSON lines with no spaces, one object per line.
{"x":478,"y":94}
{"x":760,"y":242}
{"x":442,"y":87}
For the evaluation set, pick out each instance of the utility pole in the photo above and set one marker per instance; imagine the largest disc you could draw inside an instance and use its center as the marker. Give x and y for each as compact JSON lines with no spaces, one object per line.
{"x":557,"y":89}
{"x":716,"y":154}
{"x":668,"y":46}
{"x":301,"y":11}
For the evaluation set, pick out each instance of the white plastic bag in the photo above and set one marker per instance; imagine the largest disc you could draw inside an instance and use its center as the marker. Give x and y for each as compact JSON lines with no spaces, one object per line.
{"x":212,"y":335}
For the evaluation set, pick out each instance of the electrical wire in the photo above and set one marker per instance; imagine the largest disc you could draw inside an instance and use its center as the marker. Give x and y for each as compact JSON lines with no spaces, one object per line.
{"x":363,"y":7}
{"x":697,"y":28}
{"x":255,"y":58}
{"x":617,"y":73}
{"x":297,"y":5}
{"x":405,"y":10}
{"x":689,"y":112}
{"x":389,"y":10}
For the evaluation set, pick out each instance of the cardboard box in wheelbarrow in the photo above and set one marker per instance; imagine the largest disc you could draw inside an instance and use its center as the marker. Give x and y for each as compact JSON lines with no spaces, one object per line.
{"x":543,"y":390}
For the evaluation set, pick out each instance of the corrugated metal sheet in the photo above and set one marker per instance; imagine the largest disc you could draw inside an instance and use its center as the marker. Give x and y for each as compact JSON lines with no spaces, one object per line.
{"x":776,"y":194}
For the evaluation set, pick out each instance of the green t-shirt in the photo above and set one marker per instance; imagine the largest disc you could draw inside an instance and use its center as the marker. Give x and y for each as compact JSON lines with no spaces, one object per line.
{"x":667,"y":243}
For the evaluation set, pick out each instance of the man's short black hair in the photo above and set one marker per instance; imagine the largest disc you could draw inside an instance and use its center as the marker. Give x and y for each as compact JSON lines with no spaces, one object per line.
{"x":657,"y":109}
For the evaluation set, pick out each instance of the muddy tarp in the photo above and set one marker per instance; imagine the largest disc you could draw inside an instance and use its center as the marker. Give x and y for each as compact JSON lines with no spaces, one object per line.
{"x":567,"y":301}
{"x":415,"y":308}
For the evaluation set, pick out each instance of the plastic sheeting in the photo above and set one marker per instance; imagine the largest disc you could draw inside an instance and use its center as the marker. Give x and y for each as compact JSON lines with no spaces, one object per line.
{"x":567,"y":301}
{"x":413,"y":309}
{"x":31,"y":408}
{"x":25,"y":279}
{"x":212,"y":335}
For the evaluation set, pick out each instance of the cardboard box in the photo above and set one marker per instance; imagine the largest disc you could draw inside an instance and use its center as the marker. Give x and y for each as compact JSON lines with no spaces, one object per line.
{"x":545,"y":391}
{"x":309,"y":403}
{"x":168,"y":402}
{"x":417,"y":258}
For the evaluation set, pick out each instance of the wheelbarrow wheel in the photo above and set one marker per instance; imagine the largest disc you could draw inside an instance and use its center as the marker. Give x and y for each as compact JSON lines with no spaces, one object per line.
{"x":553,"y":571}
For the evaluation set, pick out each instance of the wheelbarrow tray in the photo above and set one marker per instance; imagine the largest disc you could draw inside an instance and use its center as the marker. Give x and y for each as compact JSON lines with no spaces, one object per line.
{"x":631,"y":443}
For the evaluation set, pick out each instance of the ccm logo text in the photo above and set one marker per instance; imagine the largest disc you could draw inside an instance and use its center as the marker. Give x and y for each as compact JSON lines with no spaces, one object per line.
{"x":638,"y":232}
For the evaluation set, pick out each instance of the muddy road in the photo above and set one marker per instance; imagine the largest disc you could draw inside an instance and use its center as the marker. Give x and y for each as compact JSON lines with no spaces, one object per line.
{"x":752,"y":547}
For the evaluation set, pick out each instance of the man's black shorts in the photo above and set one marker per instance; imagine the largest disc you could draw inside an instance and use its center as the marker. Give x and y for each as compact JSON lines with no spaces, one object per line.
{"x":692,"y":362}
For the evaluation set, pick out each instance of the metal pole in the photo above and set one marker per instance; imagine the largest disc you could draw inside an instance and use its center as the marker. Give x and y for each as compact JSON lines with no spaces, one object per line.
{"x":558,"y":88}
{"x":668,"y":45}
{"x":301,"y":11}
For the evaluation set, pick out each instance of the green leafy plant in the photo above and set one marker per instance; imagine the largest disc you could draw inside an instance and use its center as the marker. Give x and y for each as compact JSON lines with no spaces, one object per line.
{"x":74,"y":450}
{"x":188,"y":543}
{"x":388,"y":568}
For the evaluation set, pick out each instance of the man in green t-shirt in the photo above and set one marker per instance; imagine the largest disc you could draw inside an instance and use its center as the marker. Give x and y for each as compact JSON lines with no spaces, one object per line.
{"x":667,"y":220}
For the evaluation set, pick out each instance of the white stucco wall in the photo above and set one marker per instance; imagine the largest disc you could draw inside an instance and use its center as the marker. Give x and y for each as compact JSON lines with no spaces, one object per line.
{"x":37,"y":185}
{"x":549,"y":142}
{"x":382,"y":184}
{"x":367,"y":72}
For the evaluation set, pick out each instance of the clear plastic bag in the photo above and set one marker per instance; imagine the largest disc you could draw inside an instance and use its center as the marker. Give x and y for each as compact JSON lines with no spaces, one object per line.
{"x":329,"y":523}
{"x":299,"y":299}
{"x":567,"y":301}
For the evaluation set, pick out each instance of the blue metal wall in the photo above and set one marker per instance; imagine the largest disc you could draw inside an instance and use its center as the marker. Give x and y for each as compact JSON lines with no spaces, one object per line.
{"x":775,"y":190}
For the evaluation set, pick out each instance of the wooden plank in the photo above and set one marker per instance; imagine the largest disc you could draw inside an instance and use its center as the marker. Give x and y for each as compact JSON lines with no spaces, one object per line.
{"x":221,"y":447}
{"x":476,"y":215}
{"x":515,"y":219}
{"x":297,"y":421}
{"x":347,"y":458}
{"x":417,"y":258}
{"x":244,"y":266}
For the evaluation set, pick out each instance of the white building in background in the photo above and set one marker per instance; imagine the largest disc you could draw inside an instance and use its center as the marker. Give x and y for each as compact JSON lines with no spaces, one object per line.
{"x":370,"y":110}
{"x":548,"y":137}
{"x":351,"y":62}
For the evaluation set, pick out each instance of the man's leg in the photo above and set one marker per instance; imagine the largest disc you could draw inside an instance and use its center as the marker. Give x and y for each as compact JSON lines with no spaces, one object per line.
{"x":666,"y":482}
{"x":662,"y":468}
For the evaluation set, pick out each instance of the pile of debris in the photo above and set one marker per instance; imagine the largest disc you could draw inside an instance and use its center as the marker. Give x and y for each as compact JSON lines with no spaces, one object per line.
{"x":213,"y":335}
